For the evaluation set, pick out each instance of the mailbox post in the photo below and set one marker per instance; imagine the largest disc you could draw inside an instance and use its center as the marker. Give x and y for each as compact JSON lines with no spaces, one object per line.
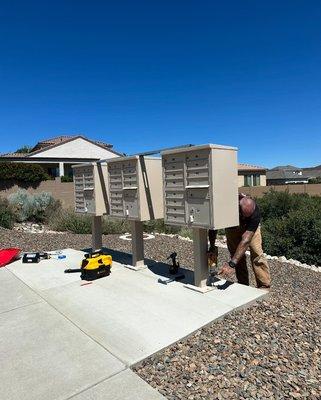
{"x":201,"y":192}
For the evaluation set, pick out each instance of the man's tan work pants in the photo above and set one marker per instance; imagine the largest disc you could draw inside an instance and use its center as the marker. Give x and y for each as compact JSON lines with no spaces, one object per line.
{"x":259,"y":262}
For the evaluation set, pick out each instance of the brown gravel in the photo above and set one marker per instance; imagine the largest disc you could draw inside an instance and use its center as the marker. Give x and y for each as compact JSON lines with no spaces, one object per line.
{"x":269,"y":351}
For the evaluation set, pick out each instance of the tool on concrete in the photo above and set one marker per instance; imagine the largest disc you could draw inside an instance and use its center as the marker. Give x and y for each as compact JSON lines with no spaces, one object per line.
{"x":212,"y":256}
{"x":173,"y":269}
{"x":34,"y":258}
{"x":176,"y":278}
{"x":94,"y":266}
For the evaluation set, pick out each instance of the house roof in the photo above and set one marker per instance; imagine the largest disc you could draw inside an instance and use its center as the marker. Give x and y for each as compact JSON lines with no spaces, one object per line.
{"x":286,"y":174}
{"x":249,"y":167}
{"x":57,"y":141}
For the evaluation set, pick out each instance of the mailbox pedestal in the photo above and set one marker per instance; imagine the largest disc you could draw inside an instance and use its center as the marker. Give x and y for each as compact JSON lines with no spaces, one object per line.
{"x":96,"y":234}
{"x":137,"y":244}
{"x":200,"y":257}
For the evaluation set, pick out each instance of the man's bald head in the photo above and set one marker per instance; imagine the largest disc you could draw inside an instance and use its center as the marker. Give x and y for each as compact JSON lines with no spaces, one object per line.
{"x":247,"y":206}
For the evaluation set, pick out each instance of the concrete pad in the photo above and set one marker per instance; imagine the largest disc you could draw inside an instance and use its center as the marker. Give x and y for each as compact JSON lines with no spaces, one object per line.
{"x":14,"y":293}
{"x":48,"y":273}
{"x":132,"y":315}
{"x":237,"y":295}
{"x":44,"y":356}
{"x":124,"y":386}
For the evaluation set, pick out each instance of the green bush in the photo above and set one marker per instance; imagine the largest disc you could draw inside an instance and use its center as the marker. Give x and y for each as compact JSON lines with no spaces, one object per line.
{"x":67,"y":178}
{"x":7,"y":218}
{"x":22,"y":172}
{"x":33,"y":207}
{"x":159,"y":226}
{"x":291,"y":226}
{"x":69,"y":220}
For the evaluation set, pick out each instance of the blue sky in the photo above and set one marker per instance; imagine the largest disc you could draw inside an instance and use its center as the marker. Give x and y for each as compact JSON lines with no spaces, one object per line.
{"x":145,"y":74}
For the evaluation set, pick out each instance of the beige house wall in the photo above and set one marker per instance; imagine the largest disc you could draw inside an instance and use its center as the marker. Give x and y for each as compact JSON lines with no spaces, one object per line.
{"x":63,"y":191}
{"x":242,"y":174}
{"x":260,"y":191}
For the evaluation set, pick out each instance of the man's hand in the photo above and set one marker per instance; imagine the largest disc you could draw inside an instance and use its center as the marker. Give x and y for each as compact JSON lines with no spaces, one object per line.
{"x":226,"y":271}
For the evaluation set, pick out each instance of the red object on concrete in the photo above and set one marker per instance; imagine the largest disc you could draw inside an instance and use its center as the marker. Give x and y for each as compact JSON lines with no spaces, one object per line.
{"x":8,"y":255}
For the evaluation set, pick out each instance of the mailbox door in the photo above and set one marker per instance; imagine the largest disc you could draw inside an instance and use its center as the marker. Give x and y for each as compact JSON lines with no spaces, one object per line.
{"x":79,"y":191}
{"x":131,"y":203}
{"x":198,"y":207}
{"x":89,"y":198}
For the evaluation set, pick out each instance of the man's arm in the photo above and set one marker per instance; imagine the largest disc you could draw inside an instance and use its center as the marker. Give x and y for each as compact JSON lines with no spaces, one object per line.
{"x":243,"y":246}
{"x":226,"y":269}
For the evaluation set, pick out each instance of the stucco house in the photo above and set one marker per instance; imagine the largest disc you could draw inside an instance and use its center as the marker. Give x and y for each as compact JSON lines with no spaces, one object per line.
{"x":251,"y":175}
{"x":58,"y":154}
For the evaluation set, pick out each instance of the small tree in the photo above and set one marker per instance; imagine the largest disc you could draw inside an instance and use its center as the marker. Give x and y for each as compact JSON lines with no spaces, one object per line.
{"x":24,"y":149}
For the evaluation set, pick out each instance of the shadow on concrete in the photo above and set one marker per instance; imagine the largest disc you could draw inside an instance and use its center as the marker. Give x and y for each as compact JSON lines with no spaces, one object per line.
{"x":159,"y":269}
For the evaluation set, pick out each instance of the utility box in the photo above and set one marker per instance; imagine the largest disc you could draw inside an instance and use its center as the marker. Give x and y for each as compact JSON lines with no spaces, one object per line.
{"x":201,"y":186}
{"x":90,"y":188}
{"x":135,"y":188}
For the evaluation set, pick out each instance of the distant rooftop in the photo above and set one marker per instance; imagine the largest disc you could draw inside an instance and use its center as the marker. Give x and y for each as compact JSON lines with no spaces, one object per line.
{"x":250,"y":167}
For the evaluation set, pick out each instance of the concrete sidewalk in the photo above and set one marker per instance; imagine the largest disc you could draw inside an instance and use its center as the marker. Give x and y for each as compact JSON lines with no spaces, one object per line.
{"x":61,"y":340}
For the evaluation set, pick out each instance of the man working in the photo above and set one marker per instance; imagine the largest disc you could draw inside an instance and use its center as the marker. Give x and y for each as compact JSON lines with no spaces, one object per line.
{"x":239,"y":239}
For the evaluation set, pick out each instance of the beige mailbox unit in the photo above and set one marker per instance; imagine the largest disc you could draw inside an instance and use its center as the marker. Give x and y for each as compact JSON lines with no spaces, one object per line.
{"x":201,"y":191}
{"x":135,"y":193}
{"x":135,"y":188}
{"x":90,"y":189}
{"x":201,"y":186}
{"x":91,"y":196}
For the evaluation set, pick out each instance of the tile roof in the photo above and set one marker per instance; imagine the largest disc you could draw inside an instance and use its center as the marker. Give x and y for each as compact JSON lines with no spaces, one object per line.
{"x":64,"y":138}
{"x":14,"y":155}
{"x":249,"y":167}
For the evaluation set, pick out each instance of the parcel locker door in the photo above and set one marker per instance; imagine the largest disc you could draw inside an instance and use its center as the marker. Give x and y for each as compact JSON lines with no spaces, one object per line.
{"x":198,"y":207}
{"x":89,"y":200}
{"x":131,"y":203}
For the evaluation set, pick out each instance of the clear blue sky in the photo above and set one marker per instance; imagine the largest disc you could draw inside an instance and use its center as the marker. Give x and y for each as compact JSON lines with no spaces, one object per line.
{"x":147,"y":74}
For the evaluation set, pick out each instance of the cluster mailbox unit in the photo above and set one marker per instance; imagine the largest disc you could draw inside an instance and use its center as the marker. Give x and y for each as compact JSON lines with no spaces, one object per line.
{"x":134,"y":188}
{"x":90,"y":189}
{"x":201,"y":191}
{"x":135,"y":193}
{"x":194,"y":186}
{"x":91,"y":195}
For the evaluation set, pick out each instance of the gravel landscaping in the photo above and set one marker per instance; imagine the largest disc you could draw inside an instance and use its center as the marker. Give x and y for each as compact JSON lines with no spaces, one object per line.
{"x":271,"y":350}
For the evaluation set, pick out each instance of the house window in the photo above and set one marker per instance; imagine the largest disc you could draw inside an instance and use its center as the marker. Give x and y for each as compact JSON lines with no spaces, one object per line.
{"x":256,"y":180}
{"x":247,"y":180}
{"x":252,"y":180}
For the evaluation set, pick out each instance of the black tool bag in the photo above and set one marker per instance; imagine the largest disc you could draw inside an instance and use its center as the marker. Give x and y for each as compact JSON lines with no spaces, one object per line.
{"x":92,"y":274}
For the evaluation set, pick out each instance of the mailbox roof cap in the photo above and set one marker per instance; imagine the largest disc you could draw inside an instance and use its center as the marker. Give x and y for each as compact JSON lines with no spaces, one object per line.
{"x":198,"y":147}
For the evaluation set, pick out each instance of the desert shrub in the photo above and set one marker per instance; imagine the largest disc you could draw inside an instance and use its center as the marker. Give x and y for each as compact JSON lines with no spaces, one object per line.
{"x":22,"y":172}
{"x":291,"y":226}
{"x":7,"y":217}
{"x":185,"y":232}
{"x":67,"y":178}
{"x":33,"y":207}
{"x":159,"y":226}
{"x":68,"y":220}
{"x":115,"y":226}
